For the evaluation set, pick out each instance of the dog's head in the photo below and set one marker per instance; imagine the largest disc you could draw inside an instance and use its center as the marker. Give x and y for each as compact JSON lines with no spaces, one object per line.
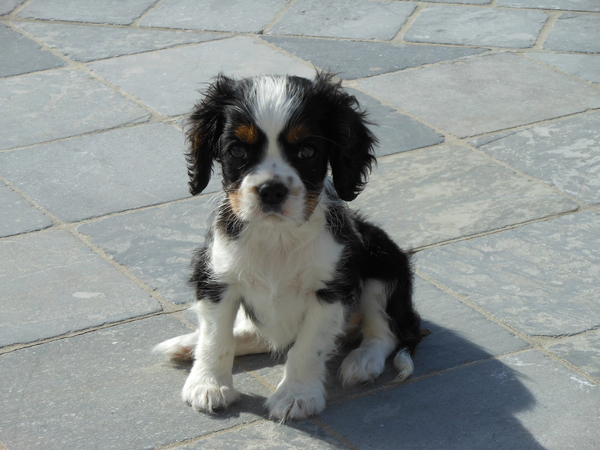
{"x":275,"y":137}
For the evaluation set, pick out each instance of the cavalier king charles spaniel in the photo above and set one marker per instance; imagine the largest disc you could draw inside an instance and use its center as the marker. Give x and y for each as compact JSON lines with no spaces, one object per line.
{"x":286,"y":265}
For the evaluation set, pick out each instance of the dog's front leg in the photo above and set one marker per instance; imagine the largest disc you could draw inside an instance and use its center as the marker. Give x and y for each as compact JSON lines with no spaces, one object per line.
{"x":210,"y":384}
{"x":301,"y":392}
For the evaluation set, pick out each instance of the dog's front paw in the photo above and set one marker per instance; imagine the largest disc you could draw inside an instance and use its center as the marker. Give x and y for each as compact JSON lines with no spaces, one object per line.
{"x":362,"y":365}
{"x":288,"y":403}
{"x":208,"y":397}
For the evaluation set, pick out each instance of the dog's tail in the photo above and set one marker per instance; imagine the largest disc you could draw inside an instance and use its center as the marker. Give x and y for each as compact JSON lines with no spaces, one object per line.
{"x":403,"y":363}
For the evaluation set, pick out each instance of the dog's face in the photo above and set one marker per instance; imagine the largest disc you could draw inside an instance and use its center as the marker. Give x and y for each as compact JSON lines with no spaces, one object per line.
{"x":275,"y":138}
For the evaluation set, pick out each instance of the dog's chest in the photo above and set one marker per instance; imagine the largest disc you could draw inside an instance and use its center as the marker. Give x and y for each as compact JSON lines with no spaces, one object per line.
{"x":277,"y":276}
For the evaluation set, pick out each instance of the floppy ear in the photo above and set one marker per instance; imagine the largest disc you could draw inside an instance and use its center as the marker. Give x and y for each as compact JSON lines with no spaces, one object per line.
{"x":352,"y":156}
{"x":205,"y":127}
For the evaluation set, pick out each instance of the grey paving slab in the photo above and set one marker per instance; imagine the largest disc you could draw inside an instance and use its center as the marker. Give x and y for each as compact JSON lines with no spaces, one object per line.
{"x":18,"y":215}
{"x":60,"y":103}
{"x":565,"y":5}
{"x":482,"y":94}
{"x":157,"y":244}
{"x":541,"y":278}
{"x":575,"y":33}
{"x":85,"y":43}
{"x":7,"y":6}
{"x":269,"y":435}
{"x":360,"y":59}
{"x":396,"y":132}
{"x":169,"y":80}
{"x":52,"y":284}
{"x":477,"y":26}
{"x":106,"y":390}
{"x":586,"y":67}
{"x":94,"y":175}
{"x":102,"y":11}
{"x":441,"y":193}
{"x":354,"y":19}
{"x":22,"y":55}
{"x":582,"y":351}
{"x":565,"y":154}
{"x":525,"y":401}
{"x":233,"y":15}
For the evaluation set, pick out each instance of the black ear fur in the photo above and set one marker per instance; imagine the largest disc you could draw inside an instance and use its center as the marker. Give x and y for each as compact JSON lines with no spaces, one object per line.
{"x":352,"y":157}
{"x":205,"y":128}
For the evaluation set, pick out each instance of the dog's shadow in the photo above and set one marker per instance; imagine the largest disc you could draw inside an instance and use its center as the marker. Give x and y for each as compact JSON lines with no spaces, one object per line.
{"x":440,"y":397}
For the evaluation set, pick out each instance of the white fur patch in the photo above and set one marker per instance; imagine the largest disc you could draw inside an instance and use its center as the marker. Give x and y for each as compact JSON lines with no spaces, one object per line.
{"x":272,"y":104}
{"x":277,"y":266}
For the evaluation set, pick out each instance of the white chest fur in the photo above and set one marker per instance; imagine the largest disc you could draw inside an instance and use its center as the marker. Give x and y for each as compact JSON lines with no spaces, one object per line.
{"x":276,"y":268}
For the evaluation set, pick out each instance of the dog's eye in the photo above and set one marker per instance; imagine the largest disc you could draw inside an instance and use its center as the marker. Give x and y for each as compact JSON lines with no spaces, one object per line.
{"x":306,"y":152}
{"x":238,"y":152}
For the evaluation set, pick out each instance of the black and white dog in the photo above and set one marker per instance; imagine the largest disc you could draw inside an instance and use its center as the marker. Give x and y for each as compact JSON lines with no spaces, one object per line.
{"x":285,"y":263}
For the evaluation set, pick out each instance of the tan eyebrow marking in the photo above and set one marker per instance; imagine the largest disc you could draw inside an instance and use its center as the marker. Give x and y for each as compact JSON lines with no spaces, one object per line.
{"x":296,"y":133}
{"x":248,"y":134}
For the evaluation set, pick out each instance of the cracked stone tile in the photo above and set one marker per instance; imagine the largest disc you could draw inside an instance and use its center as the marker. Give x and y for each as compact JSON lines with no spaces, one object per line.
{"x":100,"y":11}
{"x":169,"y":80}
{"x":21,"y":55}
{"x":85,"y":43}
{"x":107,"y":390}
{"x":93,"y":175}
{"x":18,"y":216}
{"x":575,"y":33}
{"x":157,"y":244}
{"x":354,"y":19}
{"x":586,"y":67}
{"x":359,"y":59}
{"x":53,"y":284}
{"x":481,"y":94}
{"x":506,"y":403}
{"x":564,"y":154}
{"x":43,"y":106}
{"x":582,"y":351}
{"x":489,"y":27}
{"x":442,"y":193}
{"x":232,"y":15}
{"x":541,"y":278}
{"x":565,"y":5}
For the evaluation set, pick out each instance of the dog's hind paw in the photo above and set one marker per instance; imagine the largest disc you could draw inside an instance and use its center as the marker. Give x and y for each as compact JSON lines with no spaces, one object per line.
{"x":178,"y":348}
{"x":362,"y":365}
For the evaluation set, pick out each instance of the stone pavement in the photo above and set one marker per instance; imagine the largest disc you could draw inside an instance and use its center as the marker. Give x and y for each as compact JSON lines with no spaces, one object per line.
{"x":488,"y":113}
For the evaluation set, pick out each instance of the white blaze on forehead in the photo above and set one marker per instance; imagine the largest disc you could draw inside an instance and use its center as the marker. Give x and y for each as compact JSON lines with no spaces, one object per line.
{"x":273,"y":107}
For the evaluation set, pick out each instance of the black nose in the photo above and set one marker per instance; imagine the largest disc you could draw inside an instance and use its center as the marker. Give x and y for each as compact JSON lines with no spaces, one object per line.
{"x":272,"y":193}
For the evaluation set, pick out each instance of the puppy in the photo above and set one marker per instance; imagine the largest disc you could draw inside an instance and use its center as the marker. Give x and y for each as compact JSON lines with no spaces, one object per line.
{"x":286,"y":264}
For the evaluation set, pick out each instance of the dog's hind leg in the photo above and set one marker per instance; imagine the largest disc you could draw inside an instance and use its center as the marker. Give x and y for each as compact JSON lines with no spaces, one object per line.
{"x":247,"y":341}
{"x":365,"y":363}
